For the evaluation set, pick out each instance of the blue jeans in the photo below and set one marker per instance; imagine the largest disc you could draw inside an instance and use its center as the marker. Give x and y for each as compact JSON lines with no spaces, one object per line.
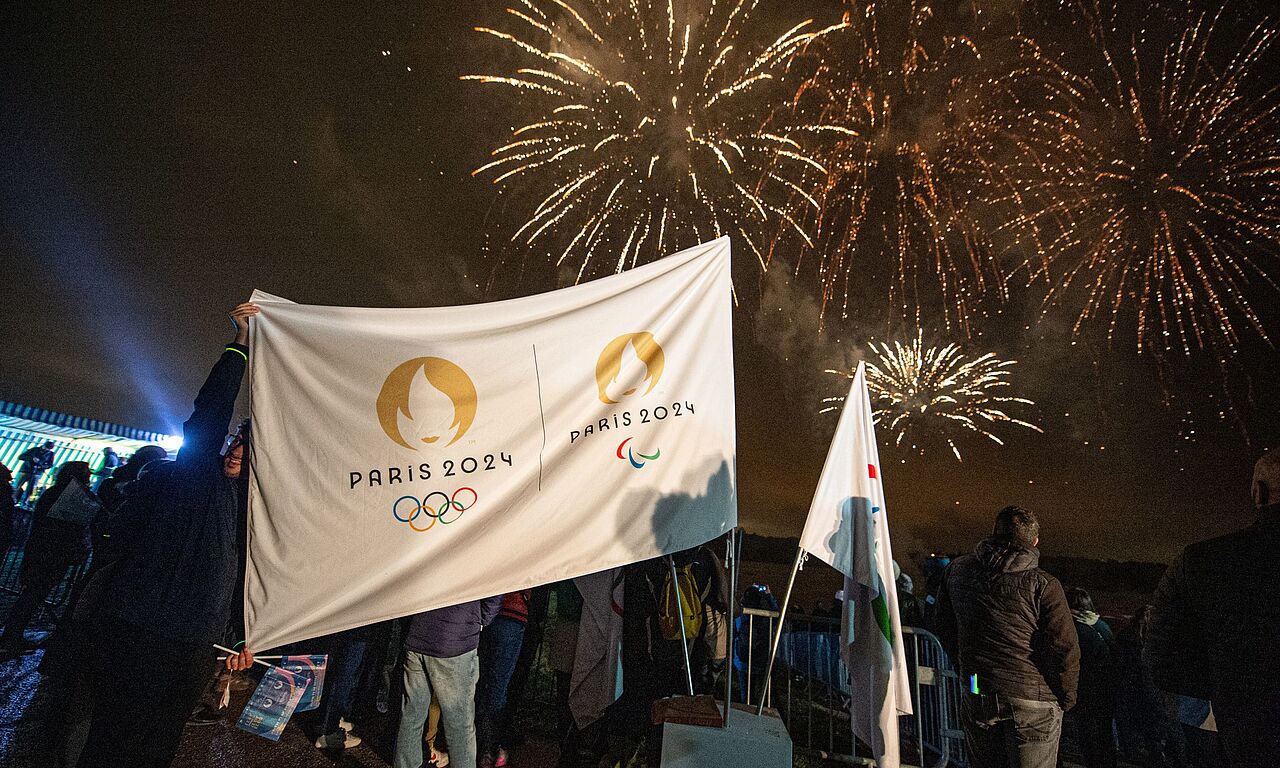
{"x":1010,"y":733}
{"x":452,"y":682}
{"x":499,"y":649}
{"x":340,"y":677}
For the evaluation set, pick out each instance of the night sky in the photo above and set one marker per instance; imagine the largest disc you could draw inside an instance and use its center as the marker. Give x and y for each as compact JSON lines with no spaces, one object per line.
{"x":158,"y":165}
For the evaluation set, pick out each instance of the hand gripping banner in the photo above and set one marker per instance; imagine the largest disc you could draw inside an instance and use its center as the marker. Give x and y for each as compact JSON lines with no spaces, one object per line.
{"x":409,"y":459}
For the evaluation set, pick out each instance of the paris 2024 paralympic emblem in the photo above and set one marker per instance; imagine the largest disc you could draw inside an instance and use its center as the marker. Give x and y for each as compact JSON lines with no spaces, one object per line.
{"x":629,"y":368}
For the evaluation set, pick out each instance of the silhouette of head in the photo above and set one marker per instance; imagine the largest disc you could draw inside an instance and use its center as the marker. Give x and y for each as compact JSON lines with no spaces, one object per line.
{"x":1017,"y":525}
{"x":1266,"y":479}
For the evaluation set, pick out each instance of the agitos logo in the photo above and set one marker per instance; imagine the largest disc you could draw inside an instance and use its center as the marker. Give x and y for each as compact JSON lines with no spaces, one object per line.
{"x":609,"y":366}
{"x":396,"y":415}
{"x":632,"y":454}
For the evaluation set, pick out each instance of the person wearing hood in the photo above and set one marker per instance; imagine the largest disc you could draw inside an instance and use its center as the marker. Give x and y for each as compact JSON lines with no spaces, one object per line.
{"x":1214,"y":627}
{"x":1093,"y":716}
{"x":112,"y":490}
{"x":1006,"y":625}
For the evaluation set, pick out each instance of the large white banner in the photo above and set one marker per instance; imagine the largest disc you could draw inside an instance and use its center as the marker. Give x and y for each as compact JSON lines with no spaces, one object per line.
{"x":408,"y":459}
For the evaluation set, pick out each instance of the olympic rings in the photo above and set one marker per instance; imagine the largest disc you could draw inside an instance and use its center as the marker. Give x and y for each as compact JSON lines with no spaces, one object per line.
{"x":436,"y":512}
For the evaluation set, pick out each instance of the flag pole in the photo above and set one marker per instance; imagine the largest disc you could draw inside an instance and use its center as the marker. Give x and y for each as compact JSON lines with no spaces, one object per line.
{"x":729,"y":671}
{"x":777,"y":637}
{"x":684,"y":640}
{"x":256,"y":660}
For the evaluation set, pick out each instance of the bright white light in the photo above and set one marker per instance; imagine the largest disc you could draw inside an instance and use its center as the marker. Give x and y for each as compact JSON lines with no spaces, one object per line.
{"x":171,"y":443}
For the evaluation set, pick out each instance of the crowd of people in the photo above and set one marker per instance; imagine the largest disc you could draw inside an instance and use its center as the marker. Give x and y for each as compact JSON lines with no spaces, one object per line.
{"x":167,"y":536}
{"x":135,"y":645}
{"x":1192,"y":680}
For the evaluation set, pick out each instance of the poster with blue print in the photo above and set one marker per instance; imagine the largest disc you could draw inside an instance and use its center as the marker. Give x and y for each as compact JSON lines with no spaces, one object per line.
{"x":311,"y":667}
{"x":273,"y":703}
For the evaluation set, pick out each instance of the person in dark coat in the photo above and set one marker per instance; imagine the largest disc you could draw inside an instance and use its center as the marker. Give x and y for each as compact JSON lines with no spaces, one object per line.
{"x":1214,"y":627}
{"x":1093,"y":717}
{"x":910,"y":612}
{"x":7,"y":507}
{"x":110,"y":461}
{"x":35,"y":461}
{"x":499,"y":650}
{"x":441,"y":663}
{"x":55,"y":545}
{"x":171,"y":593}
{"x":112,"y":490}
{"x":1008,"y":629}
{"x":1141,"y":717}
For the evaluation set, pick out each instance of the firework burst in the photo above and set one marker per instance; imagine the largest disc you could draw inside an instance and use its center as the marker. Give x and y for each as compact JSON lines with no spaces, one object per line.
{"x":922,"y":394}
{"x":945,"y":131}
{"x":645,"y":128}
{"x":1175,"y":207}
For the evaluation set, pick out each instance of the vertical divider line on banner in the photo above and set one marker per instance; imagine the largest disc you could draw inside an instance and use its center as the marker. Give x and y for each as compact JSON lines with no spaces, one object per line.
{"x":542,"y":413}
{"x":684,"y":639}
{"x":777,"y":637}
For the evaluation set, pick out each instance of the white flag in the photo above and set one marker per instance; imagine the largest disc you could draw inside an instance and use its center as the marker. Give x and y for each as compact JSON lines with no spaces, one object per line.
{"x":596,"y":681}
{"x":848,"y":528}
{"x":409,"y":459}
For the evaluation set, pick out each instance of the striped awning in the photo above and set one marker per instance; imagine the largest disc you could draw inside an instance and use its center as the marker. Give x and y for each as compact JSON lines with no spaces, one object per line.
{"x":48,"y":422}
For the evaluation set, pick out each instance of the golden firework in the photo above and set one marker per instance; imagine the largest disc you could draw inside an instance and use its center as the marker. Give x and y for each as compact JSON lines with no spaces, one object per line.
{"x":644,"y":129}
{"x":950,"y":118}
{"x":1174,"y":207}
{"x":924,"y":393}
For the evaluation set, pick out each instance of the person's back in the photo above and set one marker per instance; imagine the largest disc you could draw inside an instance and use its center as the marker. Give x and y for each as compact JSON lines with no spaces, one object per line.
{"x":1007,"y":627}
{"x":1016,"y":641}
{"x":1214,"y":627}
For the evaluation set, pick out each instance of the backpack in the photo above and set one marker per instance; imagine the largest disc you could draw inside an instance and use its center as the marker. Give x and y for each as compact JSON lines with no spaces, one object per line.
{"x":669,"y":610}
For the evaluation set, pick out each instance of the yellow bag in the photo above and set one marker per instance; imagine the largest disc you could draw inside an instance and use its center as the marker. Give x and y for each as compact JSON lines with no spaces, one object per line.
{"x":669,"y":609}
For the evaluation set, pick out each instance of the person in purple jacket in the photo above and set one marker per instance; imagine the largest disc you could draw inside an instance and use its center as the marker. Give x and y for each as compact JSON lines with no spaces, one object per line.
{"x":440,"y":662}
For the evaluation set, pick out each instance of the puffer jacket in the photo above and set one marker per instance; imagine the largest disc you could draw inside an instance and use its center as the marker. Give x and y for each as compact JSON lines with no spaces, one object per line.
{"x":1002,"y":618}
{"x":453,"y":630}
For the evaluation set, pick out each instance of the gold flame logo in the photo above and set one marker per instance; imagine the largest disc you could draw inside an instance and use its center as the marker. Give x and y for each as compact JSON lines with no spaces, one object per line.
{"x":444,"y":376}
{"x":647,"y":351}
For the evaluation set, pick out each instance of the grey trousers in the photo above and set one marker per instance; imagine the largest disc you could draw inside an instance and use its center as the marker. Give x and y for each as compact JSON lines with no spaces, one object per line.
{"x":1010,"y":733}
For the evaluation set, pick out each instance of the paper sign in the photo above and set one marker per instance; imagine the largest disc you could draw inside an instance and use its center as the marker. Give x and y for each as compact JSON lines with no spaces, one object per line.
{"x":313,"y":668}
{"x":273,"y":703}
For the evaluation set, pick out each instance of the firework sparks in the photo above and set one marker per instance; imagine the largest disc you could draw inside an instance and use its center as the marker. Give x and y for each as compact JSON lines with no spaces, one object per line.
{"x":646,"y":129}
{"x":945,"y":132}
{"x":1175,"y":208}
{"x":921,"y":394}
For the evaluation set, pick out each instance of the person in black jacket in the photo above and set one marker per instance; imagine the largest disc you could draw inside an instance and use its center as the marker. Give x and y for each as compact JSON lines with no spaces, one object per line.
{"x":7,"y":506}
{"x":34,"y":463}
{"x":112,"y":490}
{"x":1006,"y":625}
{"x":1214,"y":627}
{"x":55,"y":545}
{"x":171,"y":594}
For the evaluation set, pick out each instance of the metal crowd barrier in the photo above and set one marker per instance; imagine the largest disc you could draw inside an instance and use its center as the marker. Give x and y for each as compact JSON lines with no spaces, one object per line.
{"x":56,"y":601}
{"x":811,"y":690}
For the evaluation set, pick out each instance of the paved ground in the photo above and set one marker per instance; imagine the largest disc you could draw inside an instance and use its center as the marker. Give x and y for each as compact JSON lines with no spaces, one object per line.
{"x":25,"y":710}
